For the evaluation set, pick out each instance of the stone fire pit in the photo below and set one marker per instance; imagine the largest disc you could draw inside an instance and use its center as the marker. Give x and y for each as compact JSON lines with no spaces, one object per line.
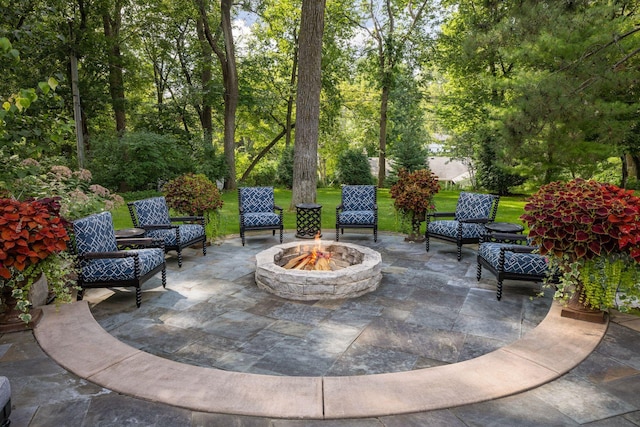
{"x":362,"y":275}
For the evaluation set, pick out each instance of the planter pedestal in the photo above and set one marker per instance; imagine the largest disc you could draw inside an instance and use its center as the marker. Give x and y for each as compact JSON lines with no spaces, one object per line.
{"x":594,"y":316}
{"x":9,"y":320}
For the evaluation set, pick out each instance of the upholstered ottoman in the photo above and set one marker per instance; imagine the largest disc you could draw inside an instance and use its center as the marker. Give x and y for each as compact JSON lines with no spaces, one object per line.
{"x":5,"y":401}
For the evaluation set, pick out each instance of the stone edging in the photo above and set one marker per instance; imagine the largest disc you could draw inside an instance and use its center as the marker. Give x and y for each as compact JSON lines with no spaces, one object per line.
{"x":71,"y":336}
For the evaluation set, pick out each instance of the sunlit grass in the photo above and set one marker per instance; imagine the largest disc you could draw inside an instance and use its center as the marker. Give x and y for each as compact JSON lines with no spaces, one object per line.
{"x":509,"y":210}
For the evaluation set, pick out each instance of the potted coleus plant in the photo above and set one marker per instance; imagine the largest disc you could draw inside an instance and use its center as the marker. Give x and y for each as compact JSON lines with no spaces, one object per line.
{"x":32,"y":248}
{"x":195,"y":195}
{"x":413,"y":198}
{"x":590,"y":231}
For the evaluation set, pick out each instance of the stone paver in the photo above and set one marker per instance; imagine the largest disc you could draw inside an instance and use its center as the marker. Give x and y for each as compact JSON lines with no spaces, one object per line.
{"x":45,"y":392}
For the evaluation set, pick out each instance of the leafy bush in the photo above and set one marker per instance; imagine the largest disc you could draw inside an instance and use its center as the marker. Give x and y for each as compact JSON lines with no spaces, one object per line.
{"x":137,"y":160}
{"x":353,"y":169}
{"x":192,"y":194}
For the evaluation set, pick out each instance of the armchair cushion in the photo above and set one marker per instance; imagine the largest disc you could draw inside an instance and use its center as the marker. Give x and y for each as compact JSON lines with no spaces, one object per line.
{"x":356,"y":217}
{"x":450,"y":228}
{"x":153,"y":211}
{"x":358,"y":198}
{"x":256,"y":200}
{"x":188,"y":233}
{"x":514,"y":262}
{"x":95,"y":234}
{"x":106,"y":269}
{"x":261,"y":219}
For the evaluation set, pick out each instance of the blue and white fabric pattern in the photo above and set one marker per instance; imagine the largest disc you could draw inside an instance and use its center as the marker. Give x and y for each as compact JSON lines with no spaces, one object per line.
{"x":153,"y":211}
{"x":359,"y":198}
{"x":256,"y":199}
{"x":261,"y":219}
{"x":105,"y":270}
{"x":356,"y":217}
{"x":450,"y":228}
{"x":169,"y":236}
{"x":474,"y":206}
{"x":95,"y":233}
{"x":521,"y":263}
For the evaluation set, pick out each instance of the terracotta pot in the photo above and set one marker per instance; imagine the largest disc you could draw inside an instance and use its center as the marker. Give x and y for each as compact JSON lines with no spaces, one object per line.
{"x":9,"y":320}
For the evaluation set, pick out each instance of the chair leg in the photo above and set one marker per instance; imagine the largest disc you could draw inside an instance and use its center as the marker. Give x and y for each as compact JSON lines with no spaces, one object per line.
{"x":479,"y":271}
{"x":138,"y":296}
{"x":242,"y":236}
{"x":204,"y":247}
{"x":281,"y":232}
{"x":426,"y":240}
{"x":179,"y":257}
{"x":499,"y":293}
{"x":459,"y":253}
{"x":337,"y":234}
{"x":164,"y":276}
{"x":80,"y":294}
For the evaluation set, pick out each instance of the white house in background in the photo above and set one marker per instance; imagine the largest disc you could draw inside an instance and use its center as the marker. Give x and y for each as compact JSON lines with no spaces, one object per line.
{"x":447,"y":170}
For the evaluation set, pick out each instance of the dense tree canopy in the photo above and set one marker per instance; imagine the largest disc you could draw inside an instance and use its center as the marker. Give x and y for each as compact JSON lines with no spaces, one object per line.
{"x":529,"y":91}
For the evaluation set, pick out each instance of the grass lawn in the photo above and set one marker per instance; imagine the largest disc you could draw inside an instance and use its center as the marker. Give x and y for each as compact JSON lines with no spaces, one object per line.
{"x":509,"y":210}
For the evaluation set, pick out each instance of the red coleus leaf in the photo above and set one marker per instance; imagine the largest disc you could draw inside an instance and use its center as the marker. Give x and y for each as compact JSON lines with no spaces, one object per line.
{"x":581,"y":236}
{"x":595,"y":247}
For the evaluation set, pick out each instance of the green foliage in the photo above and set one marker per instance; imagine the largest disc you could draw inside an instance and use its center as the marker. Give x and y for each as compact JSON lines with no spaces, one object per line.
{"x":192,"y":194}
{"x":77,"y":195}
{"x":137,"y":160}
{"x":208,"y":160}
{"x":494,"y":176}
{"x":591,"y":233}
{"x":284,"y":176}
{"x":353,"y":168}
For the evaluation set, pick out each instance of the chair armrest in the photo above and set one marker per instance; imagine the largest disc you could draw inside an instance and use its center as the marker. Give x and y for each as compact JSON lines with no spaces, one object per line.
{"x":441,"y":214}
{"x":159,"y":226}
{"x":277,"y":208}
{"x":339,"y":208}
{"x":147,"y":242}
{"x":186,"y":218}
{"x":475,"y":220}
{"x":108,"y":255}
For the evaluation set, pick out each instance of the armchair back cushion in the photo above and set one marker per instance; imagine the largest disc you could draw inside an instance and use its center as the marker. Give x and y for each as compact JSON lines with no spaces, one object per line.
{"x":358,"y":197}
{"x":474,"y":206}
{"x":95,"y":233}
{"x":256,"y":199}
{"x":153,"y":211}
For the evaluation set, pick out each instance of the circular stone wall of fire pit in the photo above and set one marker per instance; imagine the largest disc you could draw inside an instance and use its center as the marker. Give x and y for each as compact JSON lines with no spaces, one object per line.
{"x":361,"y":275}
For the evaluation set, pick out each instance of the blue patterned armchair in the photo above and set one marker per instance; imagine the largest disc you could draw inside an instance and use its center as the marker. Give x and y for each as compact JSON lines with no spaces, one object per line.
{"x":510,"y":256}
{"x":153,"y":216}
{"x":102,"y":265}
{"x":359,"y":209}
{"x":473,"y":210}
{"x":258,"y":211}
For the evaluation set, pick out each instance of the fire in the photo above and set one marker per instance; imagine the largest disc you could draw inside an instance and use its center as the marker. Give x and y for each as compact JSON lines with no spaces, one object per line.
{"x":315,"y":259}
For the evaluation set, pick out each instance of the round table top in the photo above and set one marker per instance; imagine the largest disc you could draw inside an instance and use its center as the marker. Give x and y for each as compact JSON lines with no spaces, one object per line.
{"x":504,"y":227}
{"x":308,"y":206}
{"x":130,"y":232}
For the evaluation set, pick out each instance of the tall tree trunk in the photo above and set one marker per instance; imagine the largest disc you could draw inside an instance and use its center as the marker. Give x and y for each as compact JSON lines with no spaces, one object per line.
{"x":227,"y":61}
{"x":230,"y":76}
{"x":292,"y":84}
{"x":116,"y":80}
{"x":305,"y":157}
{"x":206,"y":111}
{"x":382,"y":144}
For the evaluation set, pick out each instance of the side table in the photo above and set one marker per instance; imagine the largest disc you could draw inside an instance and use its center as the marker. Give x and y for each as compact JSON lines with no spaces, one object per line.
{"x":128,"y":233}
{"x":308,"y":220}
{"x":503,"y":227}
